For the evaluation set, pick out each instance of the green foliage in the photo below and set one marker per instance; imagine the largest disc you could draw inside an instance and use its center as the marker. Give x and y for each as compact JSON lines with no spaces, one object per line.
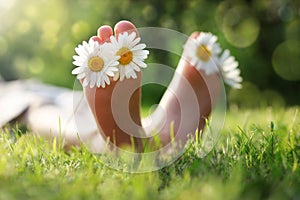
{"x":38,"y":38}
{"x":257,"y":157}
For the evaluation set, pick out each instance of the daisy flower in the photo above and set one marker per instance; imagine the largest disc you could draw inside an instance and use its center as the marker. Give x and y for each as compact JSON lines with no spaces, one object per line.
{"x":132,"y":55}
{"x":228,"y":67}
{"x":95,"y":63}
{"x":203,"y":51}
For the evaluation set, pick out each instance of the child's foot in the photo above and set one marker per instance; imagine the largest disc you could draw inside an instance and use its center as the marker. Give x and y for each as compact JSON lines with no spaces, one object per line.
{"x":193,"y":91}
{"x":115,"y":99}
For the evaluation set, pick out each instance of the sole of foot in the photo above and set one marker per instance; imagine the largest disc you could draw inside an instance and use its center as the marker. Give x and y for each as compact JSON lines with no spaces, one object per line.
{"x":186,"y":104}
{"x":116,"y":107}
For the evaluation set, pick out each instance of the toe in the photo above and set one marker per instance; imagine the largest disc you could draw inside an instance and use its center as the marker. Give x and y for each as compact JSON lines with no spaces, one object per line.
{"x":104,"y":33}
{"x":195,"y":34}
{"x":125,"y":26}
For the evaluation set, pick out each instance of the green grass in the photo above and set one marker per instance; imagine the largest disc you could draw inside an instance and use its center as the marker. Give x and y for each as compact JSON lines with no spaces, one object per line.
{"x":257,"y":157}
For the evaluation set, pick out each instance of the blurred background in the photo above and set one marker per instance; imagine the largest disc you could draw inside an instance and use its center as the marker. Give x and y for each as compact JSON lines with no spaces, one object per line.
{"x":38,"y":37}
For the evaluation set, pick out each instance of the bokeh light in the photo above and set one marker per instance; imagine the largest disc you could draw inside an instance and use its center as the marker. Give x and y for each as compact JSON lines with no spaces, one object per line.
{"x":240,"y":26}
{"x":149,"y":13}
{"x":80,"y":29}
{"x":286,"y":60}
{"x":23,"y":26}
{"x":36,"y":65}
{"x":292,"y":30}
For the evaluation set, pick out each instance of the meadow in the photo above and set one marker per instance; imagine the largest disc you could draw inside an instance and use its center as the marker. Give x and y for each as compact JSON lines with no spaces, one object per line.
{"x":256,"y":157}
{"x":258,"y":151}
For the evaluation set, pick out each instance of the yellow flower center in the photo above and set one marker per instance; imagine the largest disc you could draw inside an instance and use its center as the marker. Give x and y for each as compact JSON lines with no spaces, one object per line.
{"x":203,"y":53}
{"x":96,"y":64}
{"x":126,"y":56}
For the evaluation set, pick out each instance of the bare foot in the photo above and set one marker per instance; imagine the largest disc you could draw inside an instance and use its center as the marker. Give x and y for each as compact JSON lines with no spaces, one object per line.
{"x":116,"y":107}
{"x":186,"y":104}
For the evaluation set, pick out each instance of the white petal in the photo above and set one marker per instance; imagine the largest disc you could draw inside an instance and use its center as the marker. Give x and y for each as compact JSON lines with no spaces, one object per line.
{"x":128,"y":71}
{"x":80,"y":50}
{"x":81,"y":76}
{"x":142,"y":54}
{"x":229,"y":60}
{"x":117,"y":75}
{"x":103,"y":83}
{"x":86,"y":48}
{"x":106,"y":79}
{"x":121,"y":38}
{"x":233,"y":73}
{"x":114,"y":69}
{"x":213,"y":39}
{"x":79,"y":58}
{"x":114,"y":63}
{"x":107,"y":46}
{"x":135,"y":66}
{"x":131,"y":37}
{"x":230,"y":66}
{"x":93,"y":78}
{"x":122,"y":72}
{"x":128,"y":40}
{"x":139,"y":63}
{"x":225,"y":55}
{"x":99,"y":81}
{"x":86,"y":81}
{"x":238,"y":79}
{"x":110,"y":73}
{"x":134,"y":42}
{"x":216,"y":49}
{"x":91,"y":43}
{"x":114,"y":41}
{"x":77,"y":63}
{"x":138,"y":47}
{"x":237,"y":86}
{"x":133,"y":74}
{"x":233,"y":84}
{"x":204,"y":39}
{"x":77,"y":70}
